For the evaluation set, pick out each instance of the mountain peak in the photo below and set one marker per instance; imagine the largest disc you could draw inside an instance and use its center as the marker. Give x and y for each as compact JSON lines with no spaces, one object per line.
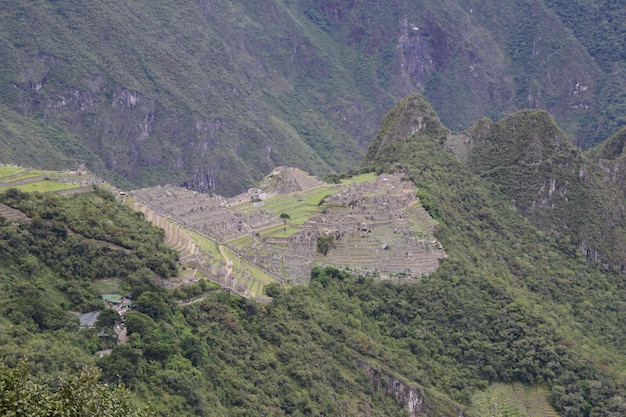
{"x":411,"y":116}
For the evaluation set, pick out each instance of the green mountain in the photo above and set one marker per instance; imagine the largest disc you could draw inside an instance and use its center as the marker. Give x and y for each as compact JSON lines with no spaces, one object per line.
{"x":213,"y":95}
{"x":514,"y":320}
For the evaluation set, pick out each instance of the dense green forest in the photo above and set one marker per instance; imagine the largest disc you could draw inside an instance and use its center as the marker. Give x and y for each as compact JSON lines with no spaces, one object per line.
{"x":511,"y":303}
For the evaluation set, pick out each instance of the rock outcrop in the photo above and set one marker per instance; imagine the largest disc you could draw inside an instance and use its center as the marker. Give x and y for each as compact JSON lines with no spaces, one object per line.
{"x":418,"y":401}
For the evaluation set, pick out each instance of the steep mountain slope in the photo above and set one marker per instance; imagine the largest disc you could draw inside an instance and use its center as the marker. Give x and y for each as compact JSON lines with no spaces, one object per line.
{"x":213,"y":94}
{"x":577,"y":196}
{"x":495,"y":251}
{"x":509,"y":304}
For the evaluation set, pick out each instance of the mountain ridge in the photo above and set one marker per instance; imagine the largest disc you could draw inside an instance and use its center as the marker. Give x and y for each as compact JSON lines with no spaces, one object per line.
{"x":213,"y":95}
{"x":509,"y":304}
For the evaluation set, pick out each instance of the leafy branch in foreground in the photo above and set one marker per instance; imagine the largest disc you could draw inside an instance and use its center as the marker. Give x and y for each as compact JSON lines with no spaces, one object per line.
{"x":81,"y":394}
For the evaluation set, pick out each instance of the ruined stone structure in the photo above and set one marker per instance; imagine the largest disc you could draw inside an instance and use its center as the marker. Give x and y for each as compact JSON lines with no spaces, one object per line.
{"x":376,"y":226}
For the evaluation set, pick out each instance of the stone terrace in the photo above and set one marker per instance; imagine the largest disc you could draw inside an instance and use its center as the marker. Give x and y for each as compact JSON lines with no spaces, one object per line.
{"x":12,"y":214}
{"x":379,"y":225}
{"x":376,"y":225}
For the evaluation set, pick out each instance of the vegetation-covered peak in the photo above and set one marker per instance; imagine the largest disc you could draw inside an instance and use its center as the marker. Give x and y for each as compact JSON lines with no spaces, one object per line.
{"x":413,"y":115}
{"x":525,"y":137}
{"x":611,"y":149}
{"x":514,"y":222}
{"x":530,"y":160}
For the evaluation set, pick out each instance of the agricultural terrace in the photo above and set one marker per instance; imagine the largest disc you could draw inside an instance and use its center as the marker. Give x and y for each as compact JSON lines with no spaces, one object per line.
{"x":45,"y":181}
{"x":513,"y":399}
{"x":292,"y":221}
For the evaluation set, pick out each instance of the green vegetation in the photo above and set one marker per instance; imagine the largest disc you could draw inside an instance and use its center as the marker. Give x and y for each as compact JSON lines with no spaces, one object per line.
{"x":74,"y":395}
{"x":325,"y":243}
{"x":217,"y":95}
{"x":45,"y":186}
{"x":514,"y":400}
{"x":51,"y":264}
{"x":514,"y":308}
{"x":537,"y":284}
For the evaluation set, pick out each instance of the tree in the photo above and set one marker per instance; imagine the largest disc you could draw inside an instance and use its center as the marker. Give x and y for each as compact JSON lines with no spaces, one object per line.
{"x":107,"y":320}
{"x":284,"y":217}
{"x":77,"y":395}
{"x":152,"y":304}
{"x":325,"y":243}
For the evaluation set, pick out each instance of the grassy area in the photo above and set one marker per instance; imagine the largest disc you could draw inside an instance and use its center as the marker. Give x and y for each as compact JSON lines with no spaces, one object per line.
{"x":243,"y":265}
{"x":30,"y":174}
{"x":358,"y":179}
{"x":242,"y":242}
{"x":44,"y":186}
{"x":281,"y":231}
{"x":22,"y":175}
{"x":9,"y":170}
{"x":207,"y":246}
{"x":107,"y":286}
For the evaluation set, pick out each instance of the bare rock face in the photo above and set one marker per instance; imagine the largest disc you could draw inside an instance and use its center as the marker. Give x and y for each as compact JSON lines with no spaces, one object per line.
{"x":417,"y":400}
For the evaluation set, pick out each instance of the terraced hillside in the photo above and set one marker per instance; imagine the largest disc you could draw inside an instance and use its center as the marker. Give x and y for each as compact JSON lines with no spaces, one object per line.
{"x":514,"y":400}
{"x":201,"y":256}
{"x":12,"y":214}
{"x":293,"y":221}
{"x":175,"y":236}
{"x":62,"y":182}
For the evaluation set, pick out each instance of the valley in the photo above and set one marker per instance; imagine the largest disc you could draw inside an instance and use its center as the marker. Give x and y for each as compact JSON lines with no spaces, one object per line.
{"x":313,"y":207}
{"x":423,"y":277}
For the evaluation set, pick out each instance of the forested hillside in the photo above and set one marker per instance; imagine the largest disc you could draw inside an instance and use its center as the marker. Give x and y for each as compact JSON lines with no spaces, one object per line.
{"x":213,"y":94}
{"x":510,"y":303}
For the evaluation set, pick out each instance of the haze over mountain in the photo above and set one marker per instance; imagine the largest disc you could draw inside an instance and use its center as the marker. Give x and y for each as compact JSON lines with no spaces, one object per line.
{"x":213,"y":94}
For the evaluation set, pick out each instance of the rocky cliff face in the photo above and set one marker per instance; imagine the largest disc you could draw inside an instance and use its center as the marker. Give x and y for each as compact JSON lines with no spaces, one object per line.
{"x":472,"y":59}
{"x":218,"y":94}
{"x":418,"y":401}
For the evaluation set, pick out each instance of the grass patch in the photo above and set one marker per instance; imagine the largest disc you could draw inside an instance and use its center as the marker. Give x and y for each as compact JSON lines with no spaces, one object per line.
{"x":283,"y":231}
{"x":242,"y":242}
{"x":358,"y":179}
{"x":107,"y":286}
{"x":9,"y":170}
{"x":44,"y":186}
{"x":255,"y":272}
{"x":513,"y":399}
{"x":207,"y":246}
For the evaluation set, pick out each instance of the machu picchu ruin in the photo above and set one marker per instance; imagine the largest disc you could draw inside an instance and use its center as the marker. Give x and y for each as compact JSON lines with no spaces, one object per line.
{"x":39,"y":180}
{"x":276,"y":231}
